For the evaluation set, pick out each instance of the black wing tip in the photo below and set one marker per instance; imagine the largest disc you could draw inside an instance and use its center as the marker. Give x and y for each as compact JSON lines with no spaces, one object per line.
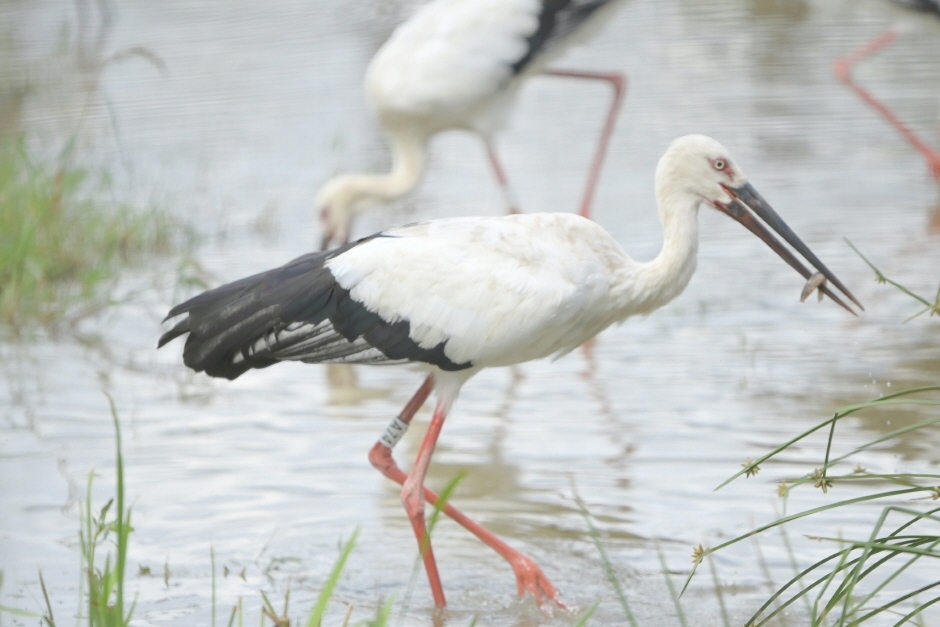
{"x":181,"y":328}
{"x":557,"y":19}
{"x":924,"y":6}
{"x":227,"y":370}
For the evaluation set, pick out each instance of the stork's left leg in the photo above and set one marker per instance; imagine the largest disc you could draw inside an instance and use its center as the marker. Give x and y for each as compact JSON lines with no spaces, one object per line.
{"x":619,"y":82}
{"x":412,"y":496}
{"x":529,"y":577}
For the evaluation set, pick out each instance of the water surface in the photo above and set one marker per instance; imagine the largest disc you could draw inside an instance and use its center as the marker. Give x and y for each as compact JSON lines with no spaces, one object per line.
{"x":258,"y":105}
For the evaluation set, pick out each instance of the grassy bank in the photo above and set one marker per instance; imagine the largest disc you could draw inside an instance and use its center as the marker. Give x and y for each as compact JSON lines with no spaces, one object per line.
{"x":63,"y":238}
{"x":104,"y":598}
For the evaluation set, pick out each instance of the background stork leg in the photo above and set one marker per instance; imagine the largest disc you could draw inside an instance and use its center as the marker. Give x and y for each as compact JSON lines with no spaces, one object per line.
{"x":529,"y":576}
{"x":619,"y":82}
{"x":512,"y":204}
{"x":843,"y":69}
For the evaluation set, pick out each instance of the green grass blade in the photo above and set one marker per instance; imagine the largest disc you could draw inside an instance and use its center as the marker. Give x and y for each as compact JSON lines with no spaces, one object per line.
{"x":916,"y":611}
{"x":383,"y":613}
{"x":48,"y":617}
{"x":15,"y":612}
{"x":680,"y":615}
{"x":895,"y":601}
{"x":873,"y":545}
{"x":316,"y":615}
{"x":894,"y":548}
{"x":892,"y":545}
{"x":893,"y":434}
{"x":584,"y":616}
{"x":883,"y":279}
{"x":123,"y":519}
{"x":765,"y":570}
{"x":864,"y":601}
{"x":608,"y":566}
{"x":896,"y":398}
{"x":725,"y":619}
{"x":803,"y":592}
{"x":442,"y":500}
{"x":816,"y":510}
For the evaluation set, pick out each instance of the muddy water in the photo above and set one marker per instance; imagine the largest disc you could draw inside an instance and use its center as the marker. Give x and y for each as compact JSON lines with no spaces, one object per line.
{"x":258,"y":105}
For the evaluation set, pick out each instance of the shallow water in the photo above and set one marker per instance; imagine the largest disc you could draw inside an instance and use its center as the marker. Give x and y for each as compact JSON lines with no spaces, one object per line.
{"x":257,"y":107}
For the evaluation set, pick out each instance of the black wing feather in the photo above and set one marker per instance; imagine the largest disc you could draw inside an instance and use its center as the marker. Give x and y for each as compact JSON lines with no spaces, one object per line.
{"x":926,"y":6}
{"x":557,"y":20}
{"x":295,"y":312}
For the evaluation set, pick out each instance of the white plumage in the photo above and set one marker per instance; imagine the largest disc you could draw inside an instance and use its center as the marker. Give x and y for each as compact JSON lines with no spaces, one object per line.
{"x":555,"y":272}
{"x":458,"y":295}
{"x":442,"y":68}
{"x":458,"y":64}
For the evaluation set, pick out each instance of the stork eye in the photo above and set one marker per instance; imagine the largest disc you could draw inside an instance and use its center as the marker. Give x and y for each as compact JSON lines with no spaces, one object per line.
{"x":719,"y":164}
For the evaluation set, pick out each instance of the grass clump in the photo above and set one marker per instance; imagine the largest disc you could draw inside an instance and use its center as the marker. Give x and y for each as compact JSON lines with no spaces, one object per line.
{"x":63,"y":238}
{"x":868,"y":578}
{"x":101,"y":584}
{"x":105,"y":584}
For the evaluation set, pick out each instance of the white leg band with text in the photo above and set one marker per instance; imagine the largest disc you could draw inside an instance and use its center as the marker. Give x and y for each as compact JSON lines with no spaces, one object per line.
{"x":393,"y":433}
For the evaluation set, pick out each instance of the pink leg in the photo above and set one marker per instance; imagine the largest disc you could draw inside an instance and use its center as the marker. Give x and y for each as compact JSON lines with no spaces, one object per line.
{"x":412,"y":496}
{"x":619,"y":83}
{"x":512,"y":205}
{"x":590,"y":362}
{"x":843,"y":69}
{"x":529,"y":577}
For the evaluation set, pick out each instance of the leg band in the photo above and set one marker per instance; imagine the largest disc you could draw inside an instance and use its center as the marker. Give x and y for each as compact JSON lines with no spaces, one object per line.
{"x":393,"y":433}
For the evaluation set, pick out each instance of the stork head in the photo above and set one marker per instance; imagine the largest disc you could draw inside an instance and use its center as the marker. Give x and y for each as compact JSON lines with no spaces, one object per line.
{"x":337,"y":202}
{"x":697,"y":169}
{"x":700,"y":168}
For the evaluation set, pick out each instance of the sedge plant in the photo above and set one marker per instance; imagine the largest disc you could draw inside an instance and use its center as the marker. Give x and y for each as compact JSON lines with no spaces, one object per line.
{"x":867,"y":578}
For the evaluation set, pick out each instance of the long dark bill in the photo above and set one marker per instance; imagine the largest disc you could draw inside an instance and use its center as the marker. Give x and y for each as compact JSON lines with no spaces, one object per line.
{"x":747,"y":197}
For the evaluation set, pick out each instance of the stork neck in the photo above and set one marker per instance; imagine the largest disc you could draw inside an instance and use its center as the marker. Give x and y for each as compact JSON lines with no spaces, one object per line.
{"x":657,"y":282}
{"x":408,"y":152}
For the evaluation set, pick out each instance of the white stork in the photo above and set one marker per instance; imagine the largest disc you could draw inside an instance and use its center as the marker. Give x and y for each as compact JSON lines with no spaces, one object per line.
{"x":458,"y":64}
{"x":843,"y":69}
{"x":454,"y":296}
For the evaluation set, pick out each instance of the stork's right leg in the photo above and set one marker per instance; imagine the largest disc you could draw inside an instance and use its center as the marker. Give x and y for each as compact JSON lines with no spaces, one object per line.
{"x":618,"y":82}
{"x":529,"y":576}
{"x":512,"y":205}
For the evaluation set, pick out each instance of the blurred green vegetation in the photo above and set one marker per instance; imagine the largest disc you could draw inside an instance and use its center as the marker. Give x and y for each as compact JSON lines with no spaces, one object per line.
{"x":64,"y":238}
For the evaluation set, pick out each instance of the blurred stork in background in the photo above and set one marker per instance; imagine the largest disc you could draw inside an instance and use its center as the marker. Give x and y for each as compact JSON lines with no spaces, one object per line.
{"x":458,"y":64}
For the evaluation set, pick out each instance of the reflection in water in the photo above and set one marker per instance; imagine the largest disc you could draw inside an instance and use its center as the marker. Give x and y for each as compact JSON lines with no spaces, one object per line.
{"x":792,"y":10}
{"x":502,"y":495}
{"x":344,"y":386}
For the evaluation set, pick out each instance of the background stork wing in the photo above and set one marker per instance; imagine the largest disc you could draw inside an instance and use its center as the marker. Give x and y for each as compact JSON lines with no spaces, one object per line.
{"x":558,"y":20}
